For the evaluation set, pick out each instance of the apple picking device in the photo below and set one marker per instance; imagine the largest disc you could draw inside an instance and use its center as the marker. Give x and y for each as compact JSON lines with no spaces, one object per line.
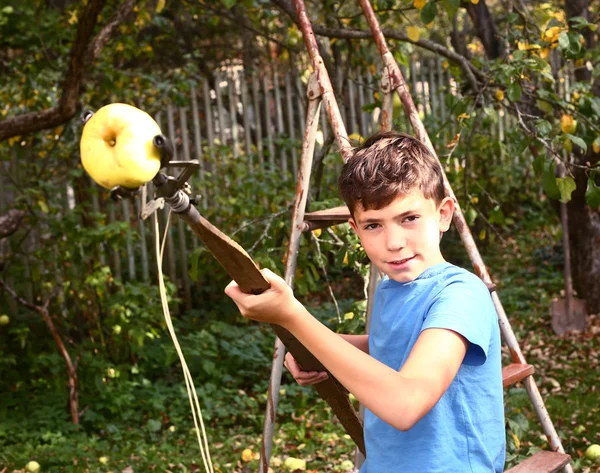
{"x":127,"y":169}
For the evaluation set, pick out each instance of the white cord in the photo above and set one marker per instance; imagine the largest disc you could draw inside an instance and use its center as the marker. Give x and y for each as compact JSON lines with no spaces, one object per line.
{"x":189,"y":383}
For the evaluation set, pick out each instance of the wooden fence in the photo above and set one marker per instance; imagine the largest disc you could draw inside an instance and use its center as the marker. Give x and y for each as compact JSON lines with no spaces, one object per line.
{"x":257,"y":119}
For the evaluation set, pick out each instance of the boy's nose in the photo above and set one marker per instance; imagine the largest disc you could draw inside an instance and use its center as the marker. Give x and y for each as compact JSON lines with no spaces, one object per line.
{"x":395,"y":240}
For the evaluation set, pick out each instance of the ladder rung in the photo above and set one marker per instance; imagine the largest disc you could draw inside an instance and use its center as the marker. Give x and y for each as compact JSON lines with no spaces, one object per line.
{"x":542,"y":462}
{"x":340,"y":213}
{"x":325,"y":218}
{"x":515,"y":372}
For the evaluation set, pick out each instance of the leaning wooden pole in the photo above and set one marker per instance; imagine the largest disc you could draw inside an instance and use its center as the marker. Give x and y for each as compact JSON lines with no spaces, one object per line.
{"x":397,"y":83}
{"x":326,"y":89}
{"x":330,"y":389}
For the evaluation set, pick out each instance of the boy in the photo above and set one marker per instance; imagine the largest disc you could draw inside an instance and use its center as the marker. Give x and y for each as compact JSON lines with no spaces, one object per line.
{"x":429,"y":372}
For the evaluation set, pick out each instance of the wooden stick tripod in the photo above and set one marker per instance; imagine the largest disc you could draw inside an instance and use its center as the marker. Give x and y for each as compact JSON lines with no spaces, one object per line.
{"x":320,"y":89}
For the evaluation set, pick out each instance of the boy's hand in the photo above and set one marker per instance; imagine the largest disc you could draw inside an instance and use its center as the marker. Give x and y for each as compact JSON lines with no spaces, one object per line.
{"x":303,"y":378}
{"x":276,"y":305}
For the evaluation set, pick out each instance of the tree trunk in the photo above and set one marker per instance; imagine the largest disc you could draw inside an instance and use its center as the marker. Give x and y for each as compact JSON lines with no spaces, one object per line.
{"x":486,"y":29}
{"x":584,"y":234}
{"x":584,"y":222}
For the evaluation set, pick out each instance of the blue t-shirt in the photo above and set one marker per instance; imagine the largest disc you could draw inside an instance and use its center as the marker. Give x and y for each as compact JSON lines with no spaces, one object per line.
{"x":464,"y":431}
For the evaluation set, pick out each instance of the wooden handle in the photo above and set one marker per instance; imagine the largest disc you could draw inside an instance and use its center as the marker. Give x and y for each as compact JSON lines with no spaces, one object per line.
{"x":238,"y":264}
{"x":330,"y":390}
{"x":243,"y":270}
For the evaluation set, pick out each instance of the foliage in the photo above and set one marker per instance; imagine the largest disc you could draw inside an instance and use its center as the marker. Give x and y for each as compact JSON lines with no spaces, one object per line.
{"x":134,"y":408}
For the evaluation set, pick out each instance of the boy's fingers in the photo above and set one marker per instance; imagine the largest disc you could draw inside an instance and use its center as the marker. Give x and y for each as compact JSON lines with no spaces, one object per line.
{"x":230,"y":289}
{"x":291,"y":365}
{"x":304,"y":378}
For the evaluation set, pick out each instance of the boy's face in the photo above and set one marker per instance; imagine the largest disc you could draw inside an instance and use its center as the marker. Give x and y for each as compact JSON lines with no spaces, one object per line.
{"x":403,"y":238}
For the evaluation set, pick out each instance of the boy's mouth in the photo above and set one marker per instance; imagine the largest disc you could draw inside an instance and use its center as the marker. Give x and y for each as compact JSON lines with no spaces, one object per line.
{"x":400,"y":262}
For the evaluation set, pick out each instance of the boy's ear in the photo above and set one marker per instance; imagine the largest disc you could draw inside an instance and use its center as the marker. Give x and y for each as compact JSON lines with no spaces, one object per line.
{"x":352,"y":224}
{"x":446,"y":211}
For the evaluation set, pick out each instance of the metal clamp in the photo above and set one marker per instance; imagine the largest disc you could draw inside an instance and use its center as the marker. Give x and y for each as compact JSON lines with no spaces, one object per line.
{"x":170,"y":189}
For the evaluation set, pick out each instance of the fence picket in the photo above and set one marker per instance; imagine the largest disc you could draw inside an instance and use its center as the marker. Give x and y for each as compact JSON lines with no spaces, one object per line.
{"x":291,"y":127}
{"x":220,"y":110}
{"x":361,"y":103}
{"x":143,"y":242}
{"x":209,"y":125}
{"x":232,"y":95}
{"x":267,"y":118}
{"x":246,"y":120}
{"x":185,"y":139}
{"x":280,"y":128}
{"x":441,"y":89}
{"x":115,"y":256}
{"x":128,"y":240}
{"x":257,"y":120}
{"x":301,"y":102}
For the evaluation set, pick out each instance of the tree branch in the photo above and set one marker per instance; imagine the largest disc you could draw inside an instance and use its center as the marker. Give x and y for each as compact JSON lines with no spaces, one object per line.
{"x":471,"y":71}
{"x":10,"y":222}
{"x":67,"y":106}
{"x":486,"y":29}
{"x":83,"y":52}
{"x":106,"y":32}
{"x":71,"y":368}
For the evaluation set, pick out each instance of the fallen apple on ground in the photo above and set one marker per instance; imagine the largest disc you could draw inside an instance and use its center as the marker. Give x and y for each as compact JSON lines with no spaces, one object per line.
{"x":32,"y":467}
{"x":117,"y":149}
{"x":593,"y":452}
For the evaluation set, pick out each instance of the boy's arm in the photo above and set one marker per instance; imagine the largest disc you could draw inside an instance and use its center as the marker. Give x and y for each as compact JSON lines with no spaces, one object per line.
{"x":359,"y":341}
{"x":399,"y":398}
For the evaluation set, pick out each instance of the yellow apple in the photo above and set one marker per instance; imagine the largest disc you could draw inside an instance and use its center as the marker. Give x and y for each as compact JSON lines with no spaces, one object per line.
{"x":247,"y":455}
{"x":568,"y":124}
{"x":293,"y":464}
{"x":4,"y":319}
{"x":593,"y":452}
{"x":32,"y":467}
{"x":116,"y":146}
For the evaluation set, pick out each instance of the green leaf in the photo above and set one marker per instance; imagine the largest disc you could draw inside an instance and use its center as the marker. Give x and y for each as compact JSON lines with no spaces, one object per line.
{"x":592,"y":194}
{"x":579,"y":22}
{"x":549,"y":182}
{"x":538,"y":165}
{"x":229,"y":3}
{"x":428,"y":12}
{"x":154,"y":425}
{"x":566,"y":186}
{"x":470,"y":216}
{"x":563,"y":41}
{"x":514,"y":92}
{"x":578,"y":141}
{"x":450,"y":6}
{"x":544,"y":127}
{"x":195,"y":258}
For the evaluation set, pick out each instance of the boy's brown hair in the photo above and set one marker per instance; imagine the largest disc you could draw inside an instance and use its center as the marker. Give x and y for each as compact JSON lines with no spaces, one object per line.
{"x":387,"y":165}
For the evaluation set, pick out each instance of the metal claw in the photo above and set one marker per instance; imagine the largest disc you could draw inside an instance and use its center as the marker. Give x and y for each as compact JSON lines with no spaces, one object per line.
{"x":119,"y":192}
{"x":165,"y":147}
{"x":85,"y":116}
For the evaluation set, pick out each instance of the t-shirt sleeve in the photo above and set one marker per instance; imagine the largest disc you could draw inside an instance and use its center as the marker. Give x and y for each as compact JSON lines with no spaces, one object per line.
{"x":465,"y":307}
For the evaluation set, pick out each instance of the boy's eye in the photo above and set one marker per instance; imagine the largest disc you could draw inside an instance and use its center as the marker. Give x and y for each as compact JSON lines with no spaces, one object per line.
{"x":411,"y":218}
{"x":371,"y":226}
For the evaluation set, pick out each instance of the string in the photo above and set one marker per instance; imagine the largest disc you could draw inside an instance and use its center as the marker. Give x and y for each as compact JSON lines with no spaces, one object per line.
{"x":189,"y":383}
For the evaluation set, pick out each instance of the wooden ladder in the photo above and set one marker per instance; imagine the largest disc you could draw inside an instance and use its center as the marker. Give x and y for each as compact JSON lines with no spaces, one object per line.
{"x":320,"y":91}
